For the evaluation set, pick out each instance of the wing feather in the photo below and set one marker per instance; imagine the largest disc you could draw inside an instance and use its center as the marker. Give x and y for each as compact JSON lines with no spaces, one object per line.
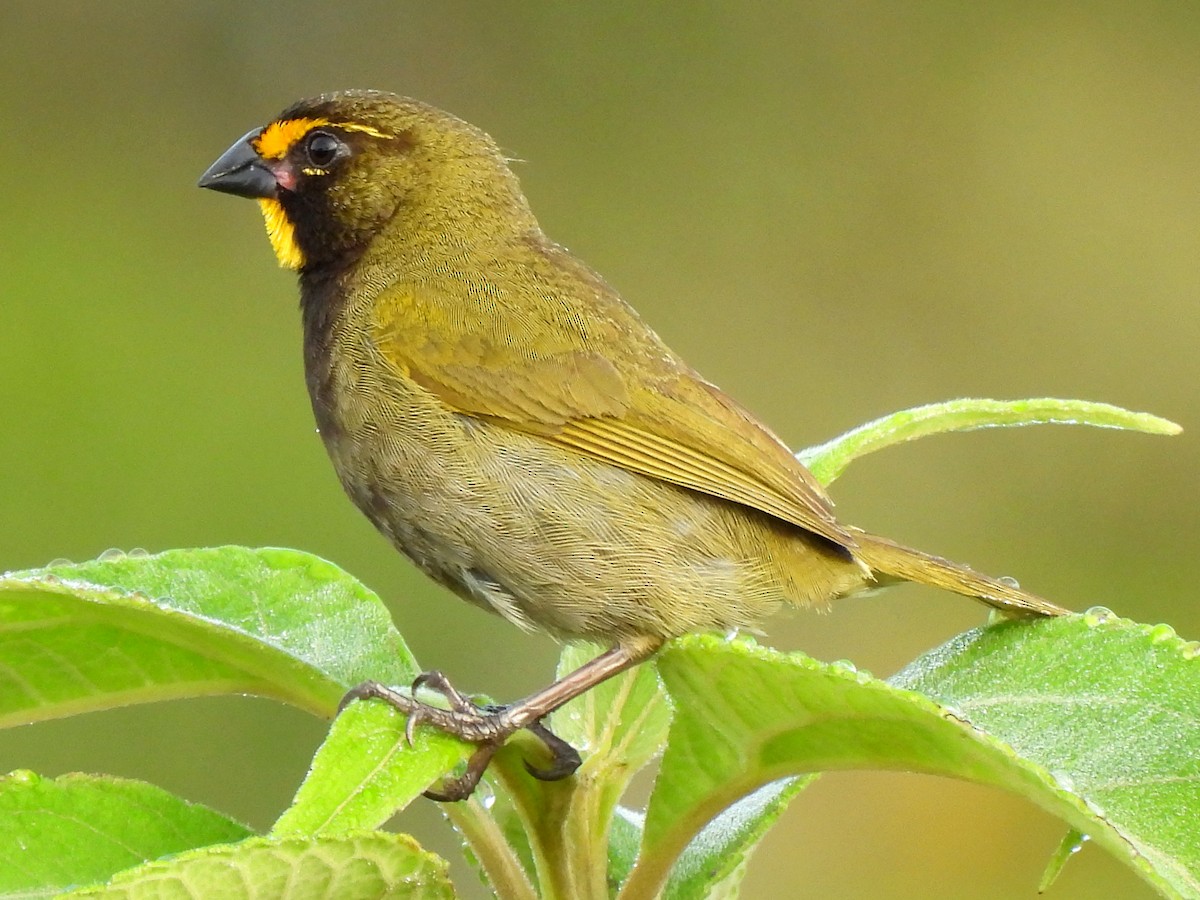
{"x":600,"y":383}
{"x":626,"y":443}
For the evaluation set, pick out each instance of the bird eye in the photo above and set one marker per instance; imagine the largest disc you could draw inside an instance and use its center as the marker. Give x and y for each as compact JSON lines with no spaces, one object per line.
{"x":322,"y":148}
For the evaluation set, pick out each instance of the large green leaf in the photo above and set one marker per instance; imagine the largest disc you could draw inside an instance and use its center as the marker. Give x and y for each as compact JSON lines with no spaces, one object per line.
{"x":1108,"y":708}
{"x":712,"y":863}
{"x":363,"y":866}
{"x":1093,"y":721}
{"x":129,"y":628}
{"x":78,"y":829}
{"x":366,"y":771}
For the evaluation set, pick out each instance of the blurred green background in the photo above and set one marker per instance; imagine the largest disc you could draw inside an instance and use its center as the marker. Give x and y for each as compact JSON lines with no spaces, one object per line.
{"x":833,"y":210}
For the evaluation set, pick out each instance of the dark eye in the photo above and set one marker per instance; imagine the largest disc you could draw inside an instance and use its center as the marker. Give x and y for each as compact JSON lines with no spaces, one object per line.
{"x":322,"y":149}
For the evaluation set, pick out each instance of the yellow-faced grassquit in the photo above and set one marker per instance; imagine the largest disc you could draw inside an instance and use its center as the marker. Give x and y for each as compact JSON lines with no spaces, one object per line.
{"x":514,"y":427}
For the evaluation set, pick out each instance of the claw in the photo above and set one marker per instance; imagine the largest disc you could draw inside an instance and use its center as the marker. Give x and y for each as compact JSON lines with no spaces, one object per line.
{"x":371,"y":690}
{"x":462,"y":786}
{"x":566,"y":757}
{"x":410,"y":726}
{"x":486,"y":726}
{"x":439,"y":683}
{"x":363,"y":691}
{"x":434,"y":681}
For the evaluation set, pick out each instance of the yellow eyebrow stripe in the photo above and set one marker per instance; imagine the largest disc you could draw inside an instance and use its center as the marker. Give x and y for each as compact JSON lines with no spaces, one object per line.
{"x":279,"y":137}
{"x":274,"y":143}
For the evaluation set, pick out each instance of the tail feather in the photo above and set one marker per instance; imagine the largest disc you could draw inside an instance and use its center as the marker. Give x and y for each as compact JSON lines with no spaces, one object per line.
{"x":889,"y":561}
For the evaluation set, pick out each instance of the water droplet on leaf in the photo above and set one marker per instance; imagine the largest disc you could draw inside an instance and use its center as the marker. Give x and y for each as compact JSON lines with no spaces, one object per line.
{"x":485,"y":794}
{"x":1064,"y":781}
{"x":1161,"y":633}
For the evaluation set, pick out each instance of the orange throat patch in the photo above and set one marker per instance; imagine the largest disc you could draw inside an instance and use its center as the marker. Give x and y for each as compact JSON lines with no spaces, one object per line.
{"x":281,"y":233}
{"x":274,"y":143}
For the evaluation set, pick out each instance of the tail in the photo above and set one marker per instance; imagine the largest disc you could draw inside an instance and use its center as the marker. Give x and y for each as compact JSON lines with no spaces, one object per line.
{"x":891,"y":562}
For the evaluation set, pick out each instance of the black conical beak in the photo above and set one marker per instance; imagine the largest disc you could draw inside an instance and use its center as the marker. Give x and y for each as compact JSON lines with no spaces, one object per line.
{"x":241,"y":171}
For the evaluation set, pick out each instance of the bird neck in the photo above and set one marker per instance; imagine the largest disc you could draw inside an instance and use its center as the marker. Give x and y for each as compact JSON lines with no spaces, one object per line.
{"x":472,"y":201}
{"x":468,"y":212}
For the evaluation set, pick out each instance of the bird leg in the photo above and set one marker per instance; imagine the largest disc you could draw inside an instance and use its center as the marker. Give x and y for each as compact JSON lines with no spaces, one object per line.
{"x":490,"y":726}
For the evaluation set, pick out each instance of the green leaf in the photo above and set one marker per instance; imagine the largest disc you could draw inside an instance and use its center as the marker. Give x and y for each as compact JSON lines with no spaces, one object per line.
{"x":1108,"y":708}
{"x":366,"y":866}
{"x":130,"y":628}
{"x":1092,"y":721}
{"x":1071,"y":844}
{"x":624,"y":842}
{"x":366,"y":771}
{"x":830,"y":459}
{"x":77,"y":829}
{"x":714,"y":862}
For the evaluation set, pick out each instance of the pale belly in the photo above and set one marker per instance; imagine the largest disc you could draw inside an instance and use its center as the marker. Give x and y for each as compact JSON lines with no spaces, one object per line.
{"x":551,"y":539}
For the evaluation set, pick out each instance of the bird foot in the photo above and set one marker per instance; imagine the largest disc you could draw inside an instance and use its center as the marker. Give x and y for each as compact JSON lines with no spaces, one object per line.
{"x":486,"y":726}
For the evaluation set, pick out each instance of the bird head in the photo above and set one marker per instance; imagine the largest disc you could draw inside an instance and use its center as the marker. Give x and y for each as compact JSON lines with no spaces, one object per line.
{"x":335,"y":172}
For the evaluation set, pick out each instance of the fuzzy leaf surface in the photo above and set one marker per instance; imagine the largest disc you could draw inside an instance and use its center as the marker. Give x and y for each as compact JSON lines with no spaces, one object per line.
{"x":131,"y":628}
{"x":827,"y":461}
{"x":75,"y":829}
{"x":365,"y":772}
{"x":363,"y":866}
{"x":1095,"y":720}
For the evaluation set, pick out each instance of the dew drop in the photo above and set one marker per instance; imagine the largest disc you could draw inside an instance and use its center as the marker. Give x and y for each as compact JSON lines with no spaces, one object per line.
{"x":23,"y":776}
{"x":59,"y":563}
{"x":1009,"y":581}
{"x":1161,"y":633}
{"x":485,"y":794}
{"x":1099,"y":615}
{"x":1071,"y":844}
{"x":1063,"y":780}
{"x":111,"y":554}
{"x":1097,"y":810}
{"x":583,"y":743}
{"x":844,"y":665}
{"x":138,"y":553}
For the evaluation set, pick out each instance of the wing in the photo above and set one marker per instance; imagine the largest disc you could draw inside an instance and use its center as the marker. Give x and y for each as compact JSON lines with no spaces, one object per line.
{"x":593,"y":377}
{"x":691,"y":434}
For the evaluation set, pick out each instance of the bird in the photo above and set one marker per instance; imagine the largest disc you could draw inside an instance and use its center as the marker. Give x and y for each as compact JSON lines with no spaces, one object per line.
{"x":514,"y":427}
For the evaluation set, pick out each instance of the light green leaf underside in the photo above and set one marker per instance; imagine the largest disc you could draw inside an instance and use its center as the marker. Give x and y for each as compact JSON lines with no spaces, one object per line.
{"x":827,"y":461}
{"x":1094,"y":721}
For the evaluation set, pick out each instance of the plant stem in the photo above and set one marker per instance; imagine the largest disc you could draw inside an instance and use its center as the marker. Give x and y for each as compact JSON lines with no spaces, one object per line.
{"x":504,"y":871}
